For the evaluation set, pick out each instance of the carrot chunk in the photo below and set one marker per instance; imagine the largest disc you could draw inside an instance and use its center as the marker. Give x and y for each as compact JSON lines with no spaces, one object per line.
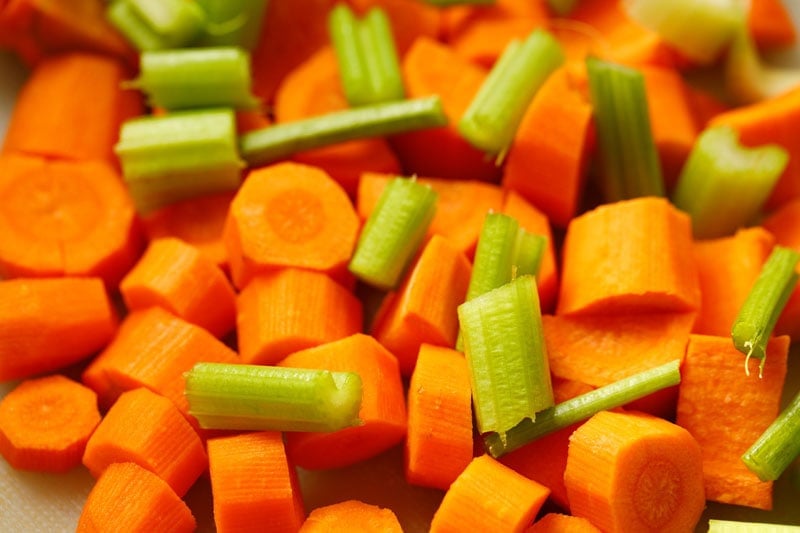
{"x":351,"y":515}
{"x":770,"y":24}
{"x":561,"y":523}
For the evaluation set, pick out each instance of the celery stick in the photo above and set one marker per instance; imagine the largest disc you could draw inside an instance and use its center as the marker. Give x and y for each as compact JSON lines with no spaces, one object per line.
{"x":282,"y":140}
{"x":158,"y":24}
{"x":723,"y":184}
{"x":505,"y":351}
{"x":381,"y":57}
{"x":528,"y":253}
{"x":343,"y":29}
{"x":778,"y":446}
{"x":135,"y":30}
{"x":581,"y":407}
{"x":232,"y":22}
{"x":256,"y":397}
{"x":730,"y":526}
{"x":393,"y":233}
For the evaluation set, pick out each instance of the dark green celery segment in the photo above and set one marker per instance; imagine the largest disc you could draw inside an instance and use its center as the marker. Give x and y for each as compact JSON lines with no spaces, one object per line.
{"x":393,"y":232}
{"x":232,"y":22}
{"x":178,"y":156}
{"x":258,"y":397}
{"x":778,"y":446}
{"x":157,"y":24}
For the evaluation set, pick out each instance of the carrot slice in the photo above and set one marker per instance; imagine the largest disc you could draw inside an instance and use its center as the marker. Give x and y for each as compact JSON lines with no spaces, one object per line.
{"x":351,"y":515}
{"x":783,"y":223}
{"x":145,"y":428}
{"x":561,"y":523}
{"x":65,"y":218}
{"x":290,"y":215}
{"x":483,"y":39}
{"x":129,"y":498}
{"x":383,"y":406}
{"x":635,"y":472}
{"x":48,"y":324}
{"x":704,"y":105}
{"x":45,"y":423}
{"x":770,"y":24}
{"x":292,"y":309}
{"x":253,"y":484}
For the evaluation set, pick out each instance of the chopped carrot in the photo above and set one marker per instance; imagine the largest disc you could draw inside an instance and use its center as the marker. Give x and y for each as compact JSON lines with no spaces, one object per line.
{"x":492,"y":495}
{"x":45,"y":423}
{"x":561,"y":523}
{"x":49,"y":324}
{"x":629,"y":256}
{"x":176,"y":276}
{"x":62,"y":218}
{"x":439,"y":442}
{"x":383,"y":405}
{"x":290,"y":215}
{"x":783,"y":223}
{"x":410,"y":19}
{"x":351,"y":515}
{"x":128,"y":498}
{"x":726,"y":411}
{"x":704,"y":105}
{"x":292,"y":309}
{"x":483,"y":39}
{"x":771,"y":24}
{"x":253,"y":484}
{"x":146,"y":428}
{"x":249,"y":120}
{"x":635,"y":472}
{"x":423,"y":308}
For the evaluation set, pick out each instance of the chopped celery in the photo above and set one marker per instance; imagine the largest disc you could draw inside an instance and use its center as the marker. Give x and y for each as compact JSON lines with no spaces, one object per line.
{"x":778,"y":446}
{"x":731,"y":526}
{"x":491,"y":120}
{"x":157,"y":24}
{"x":723,"y":184}
{"x":232,"y":22}
{"x":629,"y":165}
{"x":282,"y":140}
{"x":584,"y":406}
{"x":258,"y":397}
{"x":135,"y":30}
{"x":506,"y":356}
{"x":760,"y":311}
{"x":393,"y":232}
{"x":196,"y":77}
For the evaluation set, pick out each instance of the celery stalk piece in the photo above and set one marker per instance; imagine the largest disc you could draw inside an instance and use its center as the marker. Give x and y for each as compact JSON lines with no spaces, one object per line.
{"x":258,"y":397}
{"x":276,"y":142}
{"x":232,"y":22}
{"x":731,"y":526}
{"x":581,"y":407}
{"x":778,"y":446}
{"x":629,"y":165}
{"x":158,"y":24}
{"x":723,"y":184}
{"x":528,"y":253}
{"x":699,"y":30}
{"x":764,"y":303}
{"x":135,"y":30}
{"x":506,"y":356}
{"x":196,"y":77}
{"x":491,"y":120}
{"x":183,"y":154}
{"x":381,"y":56}
{"x":393,"y":232}
{"x":343,"y":29}
{"x":561,"y":7}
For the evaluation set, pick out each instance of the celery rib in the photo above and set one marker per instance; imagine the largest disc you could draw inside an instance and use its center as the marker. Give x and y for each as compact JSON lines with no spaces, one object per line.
{"x":778,"y":446}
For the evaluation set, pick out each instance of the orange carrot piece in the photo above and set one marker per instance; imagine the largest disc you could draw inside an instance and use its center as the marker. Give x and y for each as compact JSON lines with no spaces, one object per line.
{"x":60,"y":218}
{"x":629,"y":256}
{"x":548,"y":160}
{"x":290,"y":215}
{"x":728,"y":267}
{"x":145,"y":428}
{"x":249,"y":120}
{"x":176,"y":276}
{"x":298,"y":97}
{"x":439,"y":442}
{"x":45,"y":423}
{"x":383,"y":405}
{"x":635,"y":472}
{"x":409,"y":19}
{"x":128,"y":498}
{"x":491,"y":494}
{"x":152,"y":349}
{"x":48,"y":324}
{"x":292,"y":309}
{"x":783,"y":224}
{"x":483,"y":39}
{"x":711,"y":376}
{"x":561,"y":523}
{"x":253,"y":484}
{"x":704,"y":105}
{"x":770,"y":24}
{"x":423,"y":309}
{"x":351,"y":515}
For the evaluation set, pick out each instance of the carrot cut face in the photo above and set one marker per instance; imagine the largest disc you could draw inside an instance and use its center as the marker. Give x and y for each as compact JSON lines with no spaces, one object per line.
{"x":770,"y":24}
{"x":561,"y":523}
{"x":351,"y":515}
{"x":483,"y":39}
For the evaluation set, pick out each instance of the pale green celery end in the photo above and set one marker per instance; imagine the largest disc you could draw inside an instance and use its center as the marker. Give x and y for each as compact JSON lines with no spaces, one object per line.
{"x":582,"y":407}
{"x":528,"y":253}
{"x":493,"y":262}
{"x":232,"y":22}
{"x":382,"y":58}
{"x":282,"y":140}
{"x":731,"y":526}
{"x":778,"y":446}
{"x":506,"y":357}
{"x":344,"y":30}
{"x":561,"y":7}
{"x":393,"y":233}
{"x":177,"y":21}
{"x":133,"y":28}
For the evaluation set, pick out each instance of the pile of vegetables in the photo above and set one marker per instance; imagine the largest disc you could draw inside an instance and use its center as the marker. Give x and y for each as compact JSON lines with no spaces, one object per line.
{"x":521,"y":251}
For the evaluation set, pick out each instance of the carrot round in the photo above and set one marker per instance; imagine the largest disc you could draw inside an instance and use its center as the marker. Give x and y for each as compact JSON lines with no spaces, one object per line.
{"x":45,"y":423}
{"x":635,"y":472}
{"x":561,"y":523}
{"x":290,"y":215}
{"x":351,"y":515}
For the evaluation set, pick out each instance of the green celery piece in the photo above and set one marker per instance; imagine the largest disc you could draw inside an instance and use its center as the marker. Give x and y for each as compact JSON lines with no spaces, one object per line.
{"x":778,"y":446}
{"x":723,"y":184}
{"x":561,"y":8}
{"x":629,"y":165}
{"x":582,"y":407}
{"x":343,"y":29}
{"x":529,"y":252}
{"x":178,"y":156}
{"x":260,"y":397}
{"x":764,"y":303}
{"x":381,"y":58}
{"x":166,"y":23}
{"x":393,"y":232}
{"x":197,"y":77}
{"x":135,"y":30}
{"x":491,"y":120}
{"x":232,"y":22}
{"x":731,"y":526}
{"x":279,"y":141}
{"x":506,"y":356}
